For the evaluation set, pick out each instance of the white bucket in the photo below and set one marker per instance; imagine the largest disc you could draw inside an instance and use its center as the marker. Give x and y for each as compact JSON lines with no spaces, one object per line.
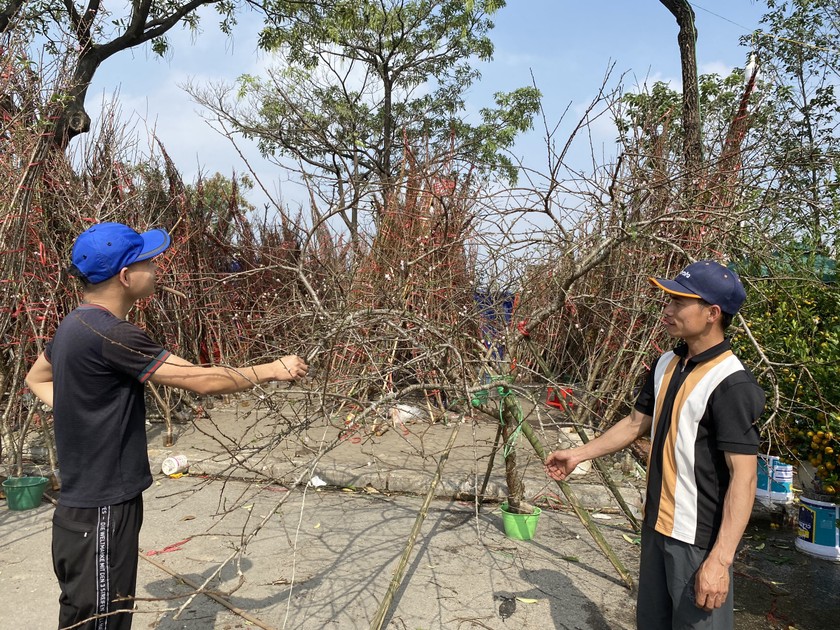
{"x":775,"y":480}
{"x":819,"y":529}
{"x":174,"y":464}
{"x":569,"y":438}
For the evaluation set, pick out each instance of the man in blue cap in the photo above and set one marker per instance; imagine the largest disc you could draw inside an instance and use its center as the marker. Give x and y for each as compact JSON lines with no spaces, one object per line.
{"x":92,"y":374}
{"x":699,"y":405}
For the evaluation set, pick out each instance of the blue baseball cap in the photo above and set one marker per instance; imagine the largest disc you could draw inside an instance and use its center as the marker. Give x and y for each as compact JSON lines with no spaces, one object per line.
{"x":709,"y":281}
{"x":101,"y":251}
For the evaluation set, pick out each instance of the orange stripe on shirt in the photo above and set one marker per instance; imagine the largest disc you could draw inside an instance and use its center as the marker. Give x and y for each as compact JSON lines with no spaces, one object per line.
{"x":660,"y":399}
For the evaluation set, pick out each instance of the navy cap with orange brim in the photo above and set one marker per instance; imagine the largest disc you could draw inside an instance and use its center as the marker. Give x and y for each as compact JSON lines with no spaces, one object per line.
{"x":709,"y":281}
{"x":673,"y":287}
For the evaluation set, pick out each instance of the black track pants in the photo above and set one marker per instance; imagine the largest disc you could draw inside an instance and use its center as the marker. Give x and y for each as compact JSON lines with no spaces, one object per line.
{"x":95,"y":560}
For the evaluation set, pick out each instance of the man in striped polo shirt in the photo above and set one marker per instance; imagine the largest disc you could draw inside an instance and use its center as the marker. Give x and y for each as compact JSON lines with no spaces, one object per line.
{"x":699,"y":405}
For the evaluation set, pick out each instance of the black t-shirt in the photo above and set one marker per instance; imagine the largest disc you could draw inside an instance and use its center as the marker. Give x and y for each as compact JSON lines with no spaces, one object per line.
{"x":99,"y":364}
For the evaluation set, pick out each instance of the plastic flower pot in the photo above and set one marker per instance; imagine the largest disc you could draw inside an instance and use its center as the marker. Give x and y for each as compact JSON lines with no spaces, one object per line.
{"x":24,"y":493}
{"x":520,"y":526}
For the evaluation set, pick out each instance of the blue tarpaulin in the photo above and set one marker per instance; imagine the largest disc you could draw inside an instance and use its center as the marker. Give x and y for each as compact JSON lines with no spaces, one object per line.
{"x":495,"y":310}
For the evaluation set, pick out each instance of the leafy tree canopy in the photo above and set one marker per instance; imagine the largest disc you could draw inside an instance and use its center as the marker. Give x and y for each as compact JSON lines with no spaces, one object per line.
{"x":801,"y":52}
{"x":83,"y":36}
{"x":364,"y":80}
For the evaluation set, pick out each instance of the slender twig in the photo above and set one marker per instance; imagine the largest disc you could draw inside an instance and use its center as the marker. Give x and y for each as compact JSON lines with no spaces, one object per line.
{"x":214,"y":596}
{"x":396,"y":580}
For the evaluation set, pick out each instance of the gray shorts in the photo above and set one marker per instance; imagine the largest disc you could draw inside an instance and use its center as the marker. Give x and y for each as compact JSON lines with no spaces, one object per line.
{"x":666,"y":587}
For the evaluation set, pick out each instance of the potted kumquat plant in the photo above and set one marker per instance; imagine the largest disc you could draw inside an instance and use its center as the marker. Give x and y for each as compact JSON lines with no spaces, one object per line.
{"x":817,"y":450}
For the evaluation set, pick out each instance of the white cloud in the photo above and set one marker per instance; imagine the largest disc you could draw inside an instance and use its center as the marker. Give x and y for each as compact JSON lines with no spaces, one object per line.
{"x":639,"y":84}
{"x":715,"y":67}
{"x":513,"y":59}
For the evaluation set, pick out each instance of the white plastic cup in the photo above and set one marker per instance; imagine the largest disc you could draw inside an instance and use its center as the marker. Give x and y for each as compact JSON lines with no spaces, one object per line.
{"x":174,"y":464}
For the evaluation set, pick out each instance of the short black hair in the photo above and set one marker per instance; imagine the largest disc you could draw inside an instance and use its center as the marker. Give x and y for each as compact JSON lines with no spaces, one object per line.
{"x":725,"y":318}
{"x":74,"y":272}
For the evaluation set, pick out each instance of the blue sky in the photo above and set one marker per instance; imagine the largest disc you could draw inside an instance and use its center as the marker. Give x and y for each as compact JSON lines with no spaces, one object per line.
{"x":566,"y":45}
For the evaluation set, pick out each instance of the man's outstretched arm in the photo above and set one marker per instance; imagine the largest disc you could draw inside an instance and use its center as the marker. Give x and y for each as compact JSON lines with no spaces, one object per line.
{"x":560,"y":464}
{"x":208,"y":380}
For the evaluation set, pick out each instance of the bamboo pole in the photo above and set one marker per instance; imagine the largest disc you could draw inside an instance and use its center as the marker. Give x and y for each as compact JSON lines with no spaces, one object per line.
{"x":581,"y":512}
{"x":396,"y":580}
{"x":605,"y":475}
{"x":599,"y":465}
{"x":493,"y":452}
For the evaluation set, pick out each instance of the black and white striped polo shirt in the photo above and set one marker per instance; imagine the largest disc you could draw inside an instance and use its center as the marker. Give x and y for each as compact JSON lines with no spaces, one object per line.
{"x":701,"y":408}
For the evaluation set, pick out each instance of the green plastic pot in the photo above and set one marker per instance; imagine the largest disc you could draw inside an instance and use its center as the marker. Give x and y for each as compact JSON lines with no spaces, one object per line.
{"x":24,"y":493}
{"x":520,"y":526}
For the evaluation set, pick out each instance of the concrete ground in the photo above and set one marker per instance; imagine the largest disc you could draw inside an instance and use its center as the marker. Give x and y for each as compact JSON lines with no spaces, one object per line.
{"x":322,"y":556}
{"x":324,"y":559}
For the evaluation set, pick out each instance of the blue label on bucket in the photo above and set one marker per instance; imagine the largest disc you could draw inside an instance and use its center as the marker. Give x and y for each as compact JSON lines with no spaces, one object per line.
{"x":807,"y":518}
{"x":775,"y":479}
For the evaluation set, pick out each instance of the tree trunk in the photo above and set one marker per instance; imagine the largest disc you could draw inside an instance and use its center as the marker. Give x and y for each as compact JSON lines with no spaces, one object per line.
{"x":73,"y":119}
{"x":513,"y":476}
{"x":687,"y":40}
{"x":387,"y":127}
